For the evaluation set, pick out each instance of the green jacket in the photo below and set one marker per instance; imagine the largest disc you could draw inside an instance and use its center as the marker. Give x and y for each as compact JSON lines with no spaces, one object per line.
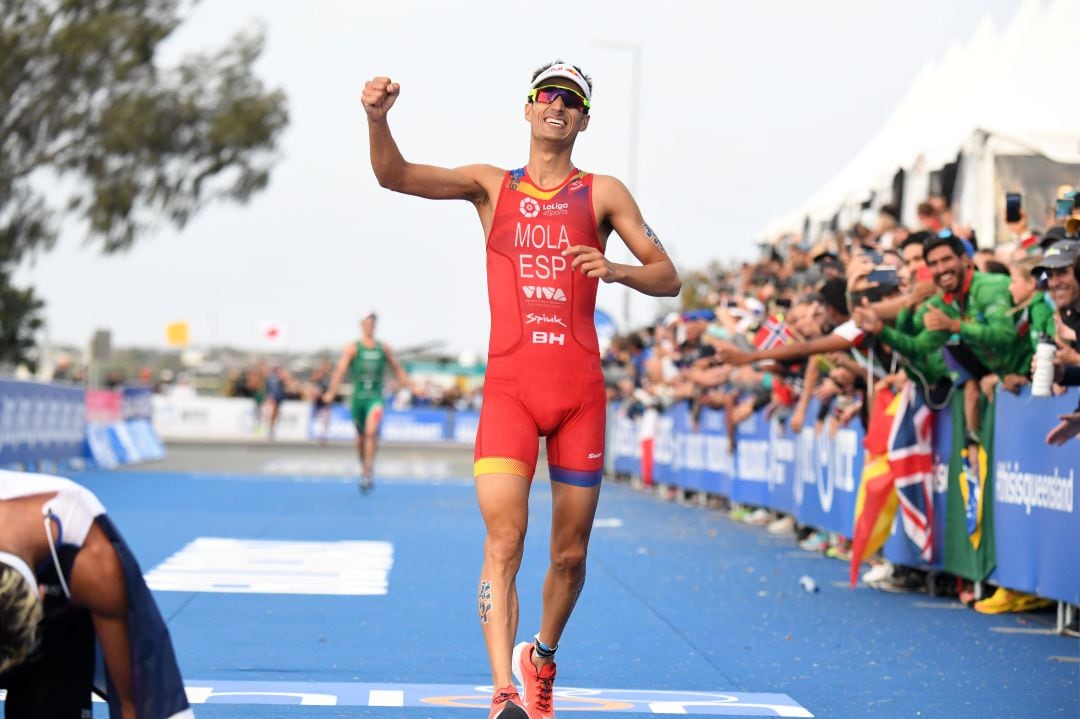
{"x":1033,"y":320}
{"x":926,"y":369}
{"x":986,"y":326}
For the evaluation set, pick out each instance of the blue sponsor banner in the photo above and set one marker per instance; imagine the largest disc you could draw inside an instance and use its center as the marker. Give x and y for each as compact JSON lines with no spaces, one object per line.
{"x":782,"y":444}
{"x":828,"y":463}
{"x":399,"y":425}
{"x":40,"y":422}
{"x":145,"y":440}
{"x":625,"y":446}
{"x":1036,"y":499}
{"x":664,"y":451}
{"x":719,"y":461}
{"x":751,"y":481}
{"x":100,"y":446}
{"x":137,"y":403}
{"x":463,"y":426}
{"x":415,"y":425}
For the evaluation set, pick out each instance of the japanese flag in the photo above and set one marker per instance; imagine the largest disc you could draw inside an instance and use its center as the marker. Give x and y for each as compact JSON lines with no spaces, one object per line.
{"x":273,"y":334}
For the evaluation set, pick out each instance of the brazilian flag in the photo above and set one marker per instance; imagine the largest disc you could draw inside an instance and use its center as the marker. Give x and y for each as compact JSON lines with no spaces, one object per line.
{"x":969,"y":519}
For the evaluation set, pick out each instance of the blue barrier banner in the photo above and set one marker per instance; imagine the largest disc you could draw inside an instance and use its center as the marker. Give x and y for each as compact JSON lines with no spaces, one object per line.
{"x":1036,"y":499}
{"x":137,"y":403}
{"x":415,"y":425}
{"x":828,"y":464}
{"x":40,"y":422}
{"x":782,"y":472}
{"x":463,"y":426}
{"x":689,"y":461}
{"x":147,"y":444}
{"x":409,"y":425}
{"x":625,"y":447}
{"x":719,"y":461}
{"x":751,"y":481}
{"x":664,"y":471}
{"x":100,"y":446}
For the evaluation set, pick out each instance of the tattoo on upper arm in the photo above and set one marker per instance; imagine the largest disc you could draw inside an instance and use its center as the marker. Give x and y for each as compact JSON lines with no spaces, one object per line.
{"x":652,"y":236}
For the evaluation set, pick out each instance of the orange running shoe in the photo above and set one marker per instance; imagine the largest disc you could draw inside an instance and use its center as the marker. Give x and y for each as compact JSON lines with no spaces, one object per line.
{"x":507,"y":704}
{"x":537,"y":685}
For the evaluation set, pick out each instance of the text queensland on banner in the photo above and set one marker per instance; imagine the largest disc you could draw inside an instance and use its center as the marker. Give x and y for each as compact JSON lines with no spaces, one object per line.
{"x":1036,"y":499}
{"x":813,"y":474}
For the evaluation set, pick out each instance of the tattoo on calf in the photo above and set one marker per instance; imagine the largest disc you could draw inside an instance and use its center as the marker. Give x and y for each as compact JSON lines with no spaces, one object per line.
{"x":652,"y":236}
{"x":484,"y":602}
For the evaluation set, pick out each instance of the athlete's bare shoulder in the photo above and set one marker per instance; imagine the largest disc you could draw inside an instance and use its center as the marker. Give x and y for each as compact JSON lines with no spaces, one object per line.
{"x":611,"y":197}
{"x":487,"y":177}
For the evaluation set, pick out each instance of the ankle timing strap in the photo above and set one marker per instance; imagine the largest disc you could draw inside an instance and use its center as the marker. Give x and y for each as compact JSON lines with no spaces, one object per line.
{"x":543,"y":650}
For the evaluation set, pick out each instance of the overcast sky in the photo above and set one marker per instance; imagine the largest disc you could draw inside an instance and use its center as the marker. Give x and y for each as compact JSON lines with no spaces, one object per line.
{"x":746,"y":108}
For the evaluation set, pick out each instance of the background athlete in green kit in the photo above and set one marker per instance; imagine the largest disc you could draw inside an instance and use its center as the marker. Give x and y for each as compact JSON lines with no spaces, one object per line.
{"x":365,"y":361}
{"x":542,"y":356}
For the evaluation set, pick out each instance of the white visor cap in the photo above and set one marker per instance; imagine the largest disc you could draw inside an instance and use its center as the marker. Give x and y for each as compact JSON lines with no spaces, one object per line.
{"x":567,"y":72}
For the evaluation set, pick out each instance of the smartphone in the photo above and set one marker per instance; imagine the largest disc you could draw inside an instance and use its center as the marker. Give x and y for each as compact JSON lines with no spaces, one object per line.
{"x":1063,"y":209}
{"x":874,"y":256}
{"x":884,"y":275}
{"x":1012,"y":206}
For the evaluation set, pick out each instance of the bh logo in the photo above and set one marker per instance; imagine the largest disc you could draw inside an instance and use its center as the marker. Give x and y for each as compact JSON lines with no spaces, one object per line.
{"x":530,"y":207}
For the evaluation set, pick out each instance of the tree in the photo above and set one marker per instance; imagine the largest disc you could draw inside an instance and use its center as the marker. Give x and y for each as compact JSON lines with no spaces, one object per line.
{"x":82,"y":98}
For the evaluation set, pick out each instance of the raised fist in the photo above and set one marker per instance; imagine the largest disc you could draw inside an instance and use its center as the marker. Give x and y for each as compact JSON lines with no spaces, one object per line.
{"x":379,"y":96}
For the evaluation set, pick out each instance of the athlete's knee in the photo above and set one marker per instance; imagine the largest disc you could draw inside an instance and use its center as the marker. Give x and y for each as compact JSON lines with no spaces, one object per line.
{"x":505,"y":545}
{"x":569,"y":560}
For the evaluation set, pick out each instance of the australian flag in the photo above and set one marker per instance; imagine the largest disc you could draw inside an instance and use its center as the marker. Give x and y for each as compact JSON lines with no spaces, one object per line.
{"x":911,"y":462}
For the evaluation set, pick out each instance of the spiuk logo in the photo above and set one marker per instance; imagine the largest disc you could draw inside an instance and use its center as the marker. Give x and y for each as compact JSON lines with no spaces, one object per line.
{"x":532,"y":318}
{"x":529,"y":207}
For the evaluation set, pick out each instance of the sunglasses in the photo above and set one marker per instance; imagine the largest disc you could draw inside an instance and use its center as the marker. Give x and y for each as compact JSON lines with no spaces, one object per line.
{"x":549,"y":93}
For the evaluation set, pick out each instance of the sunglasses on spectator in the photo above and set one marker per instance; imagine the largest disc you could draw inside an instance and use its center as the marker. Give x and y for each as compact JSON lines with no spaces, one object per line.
{"x":549,"y":93}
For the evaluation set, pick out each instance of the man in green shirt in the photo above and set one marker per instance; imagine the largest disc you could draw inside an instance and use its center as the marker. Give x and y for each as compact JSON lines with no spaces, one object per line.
{"x":970,"y":320}
{"x":366,"y":360}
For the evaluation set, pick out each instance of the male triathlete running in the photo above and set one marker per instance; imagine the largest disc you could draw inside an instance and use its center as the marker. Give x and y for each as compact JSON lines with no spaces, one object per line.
{"x":546,"y":226}
{"x":366,"y":360}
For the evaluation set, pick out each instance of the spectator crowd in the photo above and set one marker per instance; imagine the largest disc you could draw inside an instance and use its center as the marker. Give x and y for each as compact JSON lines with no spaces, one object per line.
{"x":876,"y":307}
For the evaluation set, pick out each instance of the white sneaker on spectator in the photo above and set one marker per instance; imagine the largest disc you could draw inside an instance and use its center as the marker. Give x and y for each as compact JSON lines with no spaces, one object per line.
{"x":759,"y":517}
{"x":784,"y":525}
{"x":877,"y":574}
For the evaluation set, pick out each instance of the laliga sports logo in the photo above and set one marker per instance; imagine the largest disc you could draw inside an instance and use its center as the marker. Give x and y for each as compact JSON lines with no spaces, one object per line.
{"x":529,"y":207}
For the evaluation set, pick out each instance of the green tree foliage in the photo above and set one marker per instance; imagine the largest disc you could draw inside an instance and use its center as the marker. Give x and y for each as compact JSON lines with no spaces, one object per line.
{"x":83,"y":97}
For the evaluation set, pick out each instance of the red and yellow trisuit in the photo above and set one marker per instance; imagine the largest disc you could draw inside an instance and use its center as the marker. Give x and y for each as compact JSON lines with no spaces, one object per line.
{"x":543,"y":372}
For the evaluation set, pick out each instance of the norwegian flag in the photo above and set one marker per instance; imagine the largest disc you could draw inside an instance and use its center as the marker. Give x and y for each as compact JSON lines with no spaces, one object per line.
{"x":772,"y":333}
{"x":911,"y":461}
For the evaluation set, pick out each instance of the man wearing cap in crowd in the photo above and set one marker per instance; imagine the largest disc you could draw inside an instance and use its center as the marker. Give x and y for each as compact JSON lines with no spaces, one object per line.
{"x":1061,"y":263}
{"x":546,"y":226}
{"x":366,"y":361}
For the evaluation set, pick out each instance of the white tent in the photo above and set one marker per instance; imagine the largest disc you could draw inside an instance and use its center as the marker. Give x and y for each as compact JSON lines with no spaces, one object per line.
{"x":1000,"y":93}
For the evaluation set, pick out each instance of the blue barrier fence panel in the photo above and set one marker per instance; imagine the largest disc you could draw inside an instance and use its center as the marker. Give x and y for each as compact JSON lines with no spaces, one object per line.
{"x":1036,"y":499}
{"x":40,"y":422}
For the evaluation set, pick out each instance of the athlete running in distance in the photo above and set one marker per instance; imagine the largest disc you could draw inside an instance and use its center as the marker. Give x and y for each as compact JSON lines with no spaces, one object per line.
{"x":546,"y":226}
{"x":366,"y":360}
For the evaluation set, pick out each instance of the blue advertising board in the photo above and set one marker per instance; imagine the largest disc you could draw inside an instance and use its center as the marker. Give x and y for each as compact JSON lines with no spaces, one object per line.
{"x":1036,"y":499}
{"x":40,"y":422}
